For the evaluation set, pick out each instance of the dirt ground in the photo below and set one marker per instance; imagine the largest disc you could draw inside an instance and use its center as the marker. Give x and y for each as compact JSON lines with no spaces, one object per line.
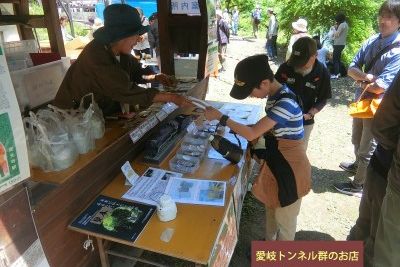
{"x":325,"y":214}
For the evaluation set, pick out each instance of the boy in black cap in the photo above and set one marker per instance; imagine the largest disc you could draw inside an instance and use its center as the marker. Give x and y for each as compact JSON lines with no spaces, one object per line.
{"x":285,"y":170}
{"x":107,"y":69}
{"x":308,"y":78}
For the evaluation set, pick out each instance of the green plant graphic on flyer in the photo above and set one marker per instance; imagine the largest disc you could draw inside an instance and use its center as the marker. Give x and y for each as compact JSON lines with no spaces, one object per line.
{"x":9,"y":166}
{"x":1,"y":51}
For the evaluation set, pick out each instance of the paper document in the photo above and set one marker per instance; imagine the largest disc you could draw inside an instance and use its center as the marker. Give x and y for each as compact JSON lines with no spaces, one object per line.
{"x":149,"y":187}
{"x":193,"y":191}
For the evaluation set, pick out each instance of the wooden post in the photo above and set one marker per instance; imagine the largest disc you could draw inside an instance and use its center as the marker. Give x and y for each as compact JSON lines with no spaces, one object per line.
{"x":53,"y":27}
{"x":166,"y":52}
{"x":22,"y":8}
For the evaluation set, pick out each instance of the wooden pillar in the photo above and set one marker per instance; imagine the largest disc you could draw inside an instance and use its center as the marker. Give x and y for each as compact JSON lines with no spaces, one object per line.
{"x":201,"y":67}
{"x":166,"y":51}
{"x":22,"y":8}
{"x":53,"y":27}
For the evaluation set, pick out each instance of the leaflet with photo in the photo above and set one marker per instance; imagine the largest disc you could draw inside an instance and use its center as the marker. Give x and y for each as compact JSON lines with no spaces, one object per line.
{"x":194,"y":191}
{"x":149,"y":187}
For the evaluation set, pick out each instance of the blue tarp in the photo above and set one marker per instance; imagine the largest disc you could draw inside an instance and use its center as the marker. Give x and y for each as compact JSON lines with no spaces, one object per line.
{"x":148,"y":6}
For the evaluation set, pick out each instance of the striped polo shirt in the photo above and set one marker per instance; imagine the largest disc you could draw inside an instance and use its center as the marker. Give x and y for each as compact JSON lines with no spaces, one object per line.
{"x":288,"y":115}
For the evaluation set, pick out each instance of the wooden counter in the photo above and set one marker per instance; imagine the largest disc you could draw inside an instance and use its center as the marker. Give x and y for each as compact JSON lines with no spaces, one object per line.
{"x":58,"y":197}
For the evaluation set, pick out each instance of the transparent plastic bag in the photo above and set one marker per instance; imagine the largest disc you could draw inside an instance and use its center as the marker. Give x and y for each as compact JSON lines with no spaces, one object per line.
{"x":79,"y":127}
{"x":53,"y":153}
{"x":97,"y":122}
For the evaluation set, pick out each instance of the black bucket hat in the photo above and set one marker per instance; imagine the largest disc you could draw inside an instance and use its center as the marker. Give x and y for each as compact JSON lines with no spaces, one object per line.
{"x":249,"y":73}
{"x":120,"y":21}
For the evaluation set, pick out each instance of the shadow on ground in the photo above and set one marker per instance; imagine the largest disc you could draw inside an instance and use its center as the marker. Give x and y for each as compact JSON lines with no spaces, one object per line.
{"x":342,"y":91}
{"x":323,"y":179}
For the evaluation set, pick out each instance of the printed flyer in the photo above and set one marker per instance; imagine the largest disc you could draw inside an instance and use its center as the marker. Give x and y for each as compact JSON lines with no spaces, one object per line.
{"x":14,"y":164}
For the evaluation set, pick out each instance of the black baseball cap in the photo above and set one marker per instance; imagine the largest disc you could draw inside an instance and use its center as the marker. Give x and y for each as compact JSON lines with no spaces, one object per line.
{"x":249,"y":73}
{"x":302,"y":50}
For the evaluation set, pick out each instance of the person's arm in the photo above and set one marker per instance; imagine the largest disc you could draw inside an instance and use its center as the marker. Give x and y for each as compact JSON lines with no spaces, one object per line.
{"x":249,"y":132}
{"x":355,"y":67}
{"x":382,"y":82}
{"x":386,"y":122}
{"x":339,"y":31}
{"x":325,"y":93}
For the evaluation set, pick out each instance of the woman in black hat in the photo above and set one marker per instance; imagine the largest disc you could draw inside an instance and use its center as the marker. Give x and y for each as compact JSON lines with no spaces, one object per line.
{"x":107,"y":69}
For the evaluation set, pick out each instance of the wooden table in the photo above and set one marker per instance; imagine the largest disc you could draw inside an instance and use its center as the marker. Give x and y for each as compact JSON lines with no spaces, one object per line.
{"x":196,"y":227}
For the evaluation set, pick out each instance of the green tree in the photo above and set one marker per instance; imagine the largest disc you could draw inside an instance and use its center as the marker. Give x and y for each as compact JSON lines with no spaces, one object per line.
{"x":361,"y":16}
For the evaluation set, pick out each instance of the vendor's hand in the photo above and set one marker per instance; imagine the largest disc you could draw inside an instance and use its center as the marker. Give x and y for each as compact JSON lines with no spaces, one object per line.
{"x":212,"y":114}
{"x":166,"y":79}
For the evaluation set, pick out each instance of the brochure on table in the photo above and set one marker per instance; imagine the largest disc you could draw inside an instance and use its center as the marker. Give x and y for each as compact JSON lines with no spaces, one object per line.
{"x":116,"y":218}
{"x":194,"y":191}
{"x":149,"y":187}
{"x":154,"y":183}
{"x":14,"y":166}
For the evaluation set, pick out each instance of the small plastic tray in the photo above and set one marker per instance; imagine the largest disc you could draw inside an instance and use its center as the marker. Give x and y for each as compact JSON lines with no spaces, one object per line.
{"x":184,"y":163}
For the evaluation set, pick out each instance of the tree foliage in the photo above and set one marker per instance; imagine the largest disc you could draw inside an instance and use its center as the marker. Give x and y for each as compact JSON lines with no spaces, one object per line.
{"x":361,"y":16}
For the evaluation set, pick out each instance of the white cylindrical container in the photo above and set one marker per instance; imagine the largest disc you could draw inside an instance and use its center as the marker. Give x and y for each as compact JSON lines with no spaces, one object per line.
{"x":166,"y":209}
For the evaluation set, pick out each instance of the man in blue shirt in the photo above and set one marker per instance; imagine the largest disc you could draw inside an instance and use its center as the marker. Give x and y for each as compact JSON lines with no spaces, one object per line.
{"x":375,"y":82}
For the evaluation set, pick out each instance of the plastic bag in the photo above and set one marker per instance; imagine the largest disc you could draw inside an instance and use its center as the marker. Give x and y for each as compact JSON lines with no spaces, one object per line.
{"x":48,"y":150}
{"x":79,"y":127}
{"x":97,"y":122}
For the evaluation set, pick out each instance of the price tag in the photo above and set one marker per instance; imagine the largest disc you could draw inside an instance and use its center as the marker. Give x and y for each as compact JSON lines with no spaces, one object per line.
{"x":153,"y":121}
{"x":169,"y":107}
{"x":136,"y":134}
{"x":191,"y":128}
{"x":161,"y":115}
{"x":130,"y":175}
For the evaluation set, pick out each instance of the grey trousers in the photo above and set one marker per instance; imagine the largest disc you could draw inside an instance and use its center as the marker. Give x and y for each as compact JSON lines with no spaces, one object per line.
{"x":364,"y":147}
{"x":369,"y":213}
{"x":307,"y":133}
{"x":387,"y":242}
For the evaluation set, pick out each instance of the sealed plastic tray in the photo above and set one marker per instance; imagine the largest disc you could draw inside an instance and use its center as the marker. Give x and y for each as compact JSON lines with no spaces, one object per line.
{"x":184,"y":163}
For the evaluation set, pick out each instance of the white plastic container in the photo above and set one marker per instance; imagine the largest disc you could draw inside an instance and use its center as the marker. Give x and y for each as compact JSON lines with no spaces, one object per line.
{"x":38,"y":85}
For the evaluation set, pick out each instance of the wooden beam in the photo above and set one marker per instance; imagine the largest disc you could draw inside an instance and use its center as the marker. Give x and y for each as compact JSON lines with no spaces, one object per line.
{"x":9,"y":1}
{"x":32,"y":21}
{"x":53,"y":27}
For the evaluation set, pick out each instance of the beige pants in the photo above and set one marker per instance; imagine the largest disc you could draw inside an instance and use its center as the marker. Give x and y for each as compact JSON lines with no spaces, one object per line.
{"x":281,"y":222}
{"x":307,"y":133}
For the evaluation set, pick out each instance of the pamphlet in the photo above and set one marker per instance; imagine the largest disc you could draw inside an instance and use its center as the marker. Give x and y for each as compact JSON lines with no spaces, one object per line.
{"x":115,"y":218}
{"x":149,"y":187}
{"x":193,"y":191}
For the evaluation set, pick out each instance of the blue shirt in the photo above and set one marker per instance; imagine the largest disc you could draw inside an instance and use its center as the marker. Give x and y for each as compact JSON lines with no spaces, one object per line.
{"x":287,"y":114}
{"x":385,"y":68}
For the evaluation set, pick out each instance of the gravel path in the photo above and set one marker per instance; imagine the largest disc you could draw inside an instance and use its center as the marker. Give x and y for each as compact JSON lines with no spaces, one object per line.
{"x":325,"y":214}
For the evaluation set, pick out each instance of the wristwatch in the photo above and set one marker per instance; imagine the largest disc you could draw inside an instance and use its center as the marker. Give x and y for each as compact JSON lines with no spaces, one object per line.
{"x":223,"y":120}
